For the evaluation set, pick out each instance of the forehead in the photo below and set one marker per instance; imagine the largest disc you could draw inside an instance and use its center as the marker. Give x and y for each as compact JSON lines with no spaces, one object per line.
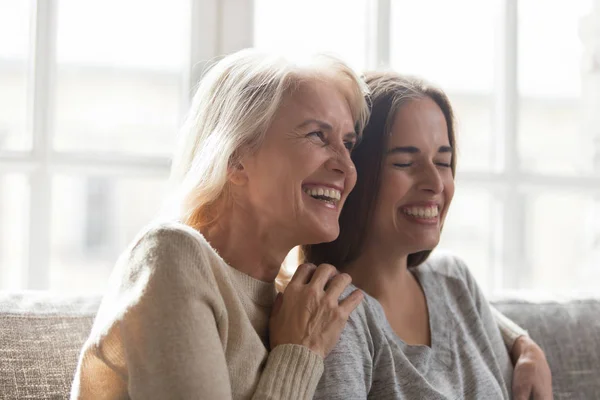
{"x":419,"y":122}
{"x":318,"y":99}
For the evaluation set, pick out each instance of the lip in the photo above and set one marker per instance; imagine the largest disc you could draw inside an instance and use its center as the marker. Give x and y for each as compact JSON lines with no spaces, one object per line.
{"x":422,"y":221}
{"x":423,"y":204}
{"x":331,"y":207}
{"x":329,"y":185}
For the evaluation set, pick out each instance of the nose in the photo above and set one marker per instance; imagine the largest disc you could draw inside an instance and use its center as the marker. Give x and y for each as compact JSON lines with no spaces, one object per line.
{"x":430,"y":179}
{"x":340,"y":161}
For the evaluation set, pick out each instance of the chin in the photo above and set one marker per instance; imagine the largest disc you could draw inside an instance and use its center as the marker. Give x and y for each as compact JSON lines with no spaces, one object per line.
{"x":427,"y":244}
{"x":324,"y":235}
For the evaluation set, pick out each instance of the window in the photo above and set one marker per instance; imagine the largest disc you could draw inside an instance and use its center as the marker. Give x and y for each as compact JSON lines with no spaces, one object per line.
{"x":316,"y":26}
{"x":88,"y":117}
{"x":524,"y":78}
{"x":87,"y":123}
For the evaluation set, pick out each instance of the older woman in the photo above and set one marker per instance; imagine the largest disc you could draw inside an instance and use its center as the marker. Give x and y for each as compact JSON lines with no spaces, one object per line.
{"x":264,"y":165}
{"x":425,"y":330}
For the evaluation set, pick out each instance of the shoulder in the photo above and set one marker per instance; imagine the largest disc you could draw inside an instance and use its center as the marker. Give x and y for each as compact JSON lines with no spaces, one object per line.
{"x":446,"y":266}
{"x":166,"y":235}
{"x":170,"y":252}
{"x":172,"y":239}
{"x":368,"y":312}
{"x":364,"y":328}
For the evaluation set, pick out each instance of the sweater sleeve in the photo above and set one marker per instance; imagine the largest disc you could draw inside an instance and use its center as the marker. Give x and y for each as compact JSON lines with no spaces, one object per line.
{"x":172,"y":346}
{"x":158,"y":329}
{"x":508,"y":328}
{"x":490,"y":326}
{"x":291,"y":372}
{"x":349,"y":366}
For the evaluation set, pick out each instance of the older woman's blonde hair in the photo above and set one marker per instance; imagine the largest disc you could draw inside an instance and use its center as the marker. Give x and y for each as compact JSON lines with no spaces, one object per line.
{"x":234,"y":105}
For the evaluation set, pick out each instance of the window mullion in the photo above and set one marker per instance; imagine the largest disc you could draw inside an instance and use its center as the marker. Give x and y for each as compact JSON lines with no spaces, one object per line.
{"x":512,"y":269}
{"x":378,"y":34}
{"x":202,"y":45}
{"x":216,"y":27}
{"x":37,"y":274}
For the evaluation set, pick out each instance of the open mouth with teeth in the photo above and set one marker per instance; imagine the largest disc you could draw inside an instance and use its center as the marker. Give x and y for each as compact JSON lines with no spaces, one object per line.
{"x":325,"y":194}
{"x":430,"y":212}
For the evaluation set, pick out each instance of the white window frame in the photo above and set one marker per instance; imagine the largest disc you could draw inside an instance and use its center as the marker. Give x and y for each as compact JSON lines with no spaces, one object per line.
{"x":508,"y":182}
{"x":216,"y":27}
{"x":222,"y":26}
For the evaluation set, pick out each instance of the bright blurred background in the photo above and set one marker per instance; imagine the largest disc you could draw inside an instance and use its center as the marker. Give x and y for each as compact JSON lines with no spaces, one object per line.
{"x":92,"y":94}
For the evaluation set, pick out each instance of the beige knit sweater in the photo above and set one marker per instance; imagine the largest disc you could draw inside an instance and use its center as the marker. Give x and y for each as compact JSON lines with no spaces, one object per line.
{"x":179,"y":323}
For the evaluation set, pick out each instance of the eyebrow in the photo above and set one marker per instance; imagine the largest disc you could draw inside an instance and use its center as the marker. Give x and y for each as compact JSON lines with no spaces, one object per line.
{"x":415,"y":150}
{"x":321,"y":124}
{"x":325,"y":126}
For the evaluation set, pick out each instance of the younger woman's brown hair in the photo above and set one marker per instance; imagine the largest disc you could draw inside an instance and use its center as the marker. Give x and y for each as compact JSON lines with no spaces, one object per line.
{"x":389,"y":91}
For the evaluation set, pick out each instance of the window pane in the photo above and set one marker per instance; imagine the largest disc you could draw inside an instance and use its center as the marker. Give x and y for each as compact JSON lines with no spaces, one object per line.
{"x":468,"y":233}
{"x":94,"y":219}
{"x":563,"y":238}
{"x":14,"y":211}
{"x":14,"y":57}
{"x":335,"y":26}
{"x":119,"y":85}
{"x":455,"y":50}
{"x":558,"y":122}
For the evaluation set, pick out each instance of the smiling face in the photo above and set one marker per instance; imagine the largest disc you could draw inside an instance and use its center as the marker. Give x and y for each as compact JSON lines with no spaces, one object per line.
{"x":417,"y":184}
{"x":298,"y":179}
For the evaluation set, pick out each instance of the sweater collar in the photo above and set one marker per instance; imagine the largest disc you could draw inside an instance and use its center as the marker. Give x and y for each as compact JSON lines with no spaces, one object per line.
{"x":262,"y":293}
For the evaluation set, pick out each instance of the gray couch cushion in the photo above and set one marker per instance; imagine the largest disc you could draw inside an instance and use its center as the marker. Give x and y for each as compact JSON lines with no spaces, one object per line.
{"x":41,"y":335}
{"x":40,"y":339}
{"x":569,"y":333}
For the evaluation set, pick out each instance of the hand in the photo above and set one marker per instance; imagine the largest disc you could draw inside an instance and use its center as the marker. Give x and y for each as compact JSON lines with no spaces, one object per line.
{"x":309,"y":313}
{"x":532,"y":378}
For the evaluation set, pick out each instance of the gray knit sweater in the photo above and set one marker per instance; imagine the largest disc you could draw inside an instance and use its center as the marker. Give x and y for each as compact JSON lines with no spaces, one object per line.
{"x":467,"y":358}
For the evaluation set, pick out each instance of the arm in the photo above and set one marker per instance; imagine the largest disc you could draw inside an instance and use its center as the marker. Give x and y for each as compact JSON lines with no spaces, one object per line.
{"x":173,"y":345}
{"x":348,"y":368}
{"x":311,"y":315}
{"x":291,"y":372}
{"x":531,"y":374}
{"x":510,"y":331}
{"x":170,"y":337}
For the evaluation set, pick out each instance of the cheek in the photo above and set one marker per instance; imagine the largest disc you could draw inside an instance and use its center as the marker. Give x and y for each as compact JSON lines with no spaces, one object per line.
{"x":449,"y":190}
{"x":395,"y":186}
{"x":448,"y":196}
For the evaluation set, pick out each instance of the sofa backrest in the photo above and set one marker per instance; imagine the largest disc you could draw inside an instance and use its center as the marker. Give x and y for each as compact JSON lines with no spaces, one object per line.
{"x":41,"y":335}
{"x":569,"y":334}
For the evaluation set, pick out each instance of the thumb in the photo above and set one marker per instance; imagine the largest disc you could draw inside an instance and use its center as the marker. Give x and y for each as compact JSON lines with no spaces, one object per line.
{"x":277,"y":304}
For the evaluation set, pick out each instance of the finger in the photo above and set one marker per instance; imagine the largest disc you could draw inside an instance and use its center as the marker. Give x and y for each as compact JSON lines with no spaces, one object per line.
{"x":322,"y":275}
{"x":337,"y":284}
{"x":303,"y":274}
{"x":351,"y":302}
{"x":277,"y":304}
{"x":541,"y":394}
{"x":521,"y":392}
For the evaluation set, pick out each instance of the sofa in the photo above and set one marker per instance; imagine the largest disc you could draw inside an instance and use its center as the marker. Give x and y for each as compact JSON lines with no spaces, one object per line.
{"x":41,"y":334}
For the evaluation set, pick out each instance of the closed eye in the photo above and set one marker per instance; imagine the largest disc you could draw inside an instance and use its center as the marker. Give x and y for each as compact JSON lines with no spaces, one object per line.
{"x":399,"y":165}
{"x":445,"y":165}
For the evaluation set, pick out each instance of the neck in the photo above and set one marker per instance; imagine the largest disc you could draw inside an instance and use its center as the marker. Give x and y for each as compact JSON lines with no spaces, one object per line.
{"x":382,"y":274}
{"x":247,"y":246}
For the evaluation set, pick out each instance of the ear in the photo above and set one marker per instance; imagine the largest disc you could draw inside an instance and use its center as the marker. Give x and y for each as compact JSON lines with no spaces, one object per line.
{"x":237,"y":174}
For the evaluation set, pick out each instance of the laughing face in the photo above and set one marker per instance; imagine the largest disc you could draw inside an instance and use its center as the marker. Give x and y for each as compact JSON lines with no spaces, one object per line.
{"x":299,"y":178}
{"x":417,"y":184}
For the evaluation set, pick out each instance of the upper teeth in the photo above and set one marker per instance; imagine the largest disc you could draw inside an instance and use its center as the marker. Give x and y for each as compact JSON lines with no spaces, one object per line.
{"x":422,"y":212}
{"x":323,"y":191}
